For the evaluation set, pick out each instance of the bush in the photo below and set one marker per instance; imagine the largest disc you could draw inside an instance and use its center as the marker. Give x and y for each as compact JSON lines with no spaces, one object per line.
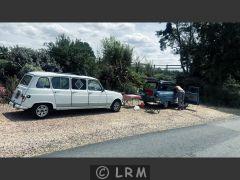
{"x":2,"y":93}
{"x":11,"y":85}
{"x":129,"y":88}
{"x":28,"y":68}
{"x":167,"y":75}
{"x":227,"y":94}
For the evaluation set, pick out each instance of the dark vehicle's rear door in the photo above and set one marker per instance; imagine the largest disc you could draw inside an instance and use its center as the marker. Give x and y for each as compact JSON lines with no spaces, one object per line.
{"x":192,"y":95}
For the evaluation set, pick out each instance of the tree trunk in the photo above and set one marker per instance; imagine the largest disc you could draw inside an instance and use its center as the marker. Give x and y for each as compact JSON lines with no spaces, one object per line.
{"x":180,"y":47}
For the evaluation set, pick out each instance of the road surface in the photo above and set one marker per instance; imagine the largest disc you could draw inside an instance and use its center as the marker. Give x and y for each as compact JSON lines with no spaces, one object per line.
{"x":220,"y":139}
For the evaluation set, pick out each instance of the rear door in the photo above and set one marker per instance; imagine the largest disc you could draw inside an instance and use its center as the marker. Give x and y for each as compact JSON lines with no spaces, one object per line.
{"x":21,"y":89}
{"x":62,"y":92}
{"x":192,"y":95}
{"x":166,"y":93}
{"x":79,"y":92}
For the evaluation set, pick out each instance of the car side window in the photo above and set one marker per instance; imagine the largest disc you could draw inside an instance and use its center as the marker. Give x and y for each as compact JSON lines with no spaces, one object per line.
{"x":60,"y":83}
{"x":43,"y":82}
{"x":94,"y":85}
{"x":79,"y":84}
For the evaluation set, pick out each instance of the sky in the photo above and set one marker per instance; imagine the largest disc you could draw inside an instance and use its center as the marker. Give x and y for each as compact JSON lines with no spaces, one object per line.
{"x":141,"y":36}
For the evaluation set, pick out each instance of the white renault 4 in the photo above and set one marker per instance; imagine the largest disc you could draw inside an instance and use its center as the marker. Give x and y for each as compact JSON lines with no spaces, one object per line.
{"x":42,"y":92}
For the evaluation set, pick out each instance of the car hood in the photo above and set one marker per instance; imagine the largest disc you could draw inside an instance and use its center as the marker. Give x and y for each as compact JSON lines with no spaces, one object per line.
{"x":113,"y":93}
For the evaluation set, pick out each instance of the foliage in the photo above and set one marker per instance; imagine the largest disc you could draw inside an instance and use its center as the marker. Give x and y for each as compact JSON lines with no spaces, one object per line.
{"x":7,"y":68}
{"x":149,"y":70}
{"x":117,"y":57}
{"x":167,"y":75}
{"x":11,"y":85}
{"x":19,"y":56}
{"x":17,"y":59}
{"x":181,"y":37}
{"x":28,"y":68}
{"x":3,"y":52}
{"x":47,"y":62}
{"x":2,"y":93}
{"x":209,"y":55}
{"x":72,"y":56}
{"x":130,"y":88}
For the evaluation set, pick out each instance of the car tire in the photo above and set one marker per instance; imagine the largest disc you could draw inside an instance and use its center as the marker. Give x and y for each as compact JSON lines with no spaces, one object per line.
{"x":40,"y":111}
{"x":116,"y":106}
{"x":166,"y":104}
{"x":145,"y":103}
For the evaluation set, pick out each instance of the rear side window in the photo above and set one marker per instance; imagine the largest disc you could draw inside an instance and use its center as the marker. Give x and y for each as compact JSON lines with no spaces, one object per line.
{"x":60,"y":83}
{"x":26,"y":80}
{"x":43,"y":82}
{"x":79,"y":84}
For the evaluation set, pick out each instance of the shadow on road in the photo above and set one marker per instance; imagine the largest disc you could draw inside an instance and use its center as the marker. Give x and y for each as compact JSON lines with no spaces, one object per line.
{"x":27,"y":116}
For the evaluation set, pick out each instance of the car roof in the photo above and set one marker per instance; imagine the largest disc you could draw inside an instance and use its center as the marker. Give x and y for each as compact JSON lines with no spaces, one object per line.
{"x":53,"y":74}
{"x":166,"y":82}
{"x":154,"y":80}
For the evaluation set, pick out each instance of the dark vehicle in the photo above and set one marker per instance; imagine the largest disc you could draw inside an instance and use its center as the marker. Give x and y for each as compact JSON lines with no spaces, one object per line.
{"x":162,"y":93}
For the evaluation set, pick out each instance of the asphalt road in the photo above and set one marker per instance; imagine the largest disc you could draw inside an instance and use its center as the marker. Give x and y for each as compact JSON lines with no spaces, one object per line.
{"x":220,"y":139}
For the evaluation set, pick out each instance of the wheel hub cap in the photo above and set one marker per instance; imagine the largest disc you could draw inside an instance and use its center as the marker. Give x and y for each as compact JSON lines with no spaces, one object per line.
{"x":42,"y":111}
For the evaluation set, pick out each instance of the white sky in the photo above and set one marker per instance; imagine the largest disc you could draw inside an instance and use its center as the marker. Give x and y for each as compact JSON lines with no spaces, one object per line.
{"x":141,"y":36}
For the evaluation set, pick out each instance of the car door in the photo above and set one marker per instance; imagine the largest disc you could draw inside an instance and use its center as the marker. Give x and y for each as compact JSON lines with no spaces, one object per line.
{"x":96,"y":94}
{"x":79,"y":92}
{"x":21,"y":89}
{"x":192,"y":95}
{"x":62,"y":92}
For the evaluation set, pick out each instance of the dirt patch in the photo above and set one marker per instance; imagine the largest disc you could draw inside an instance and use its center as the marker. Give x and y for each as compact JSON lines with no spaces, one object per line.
{"x":23,"y":136}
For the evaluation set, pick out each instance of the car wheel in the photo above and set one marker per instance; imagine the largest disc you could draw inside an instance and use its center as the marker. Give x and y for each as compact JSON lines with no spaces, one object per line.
{"x":165,"y":104}
{"x":40,"y":111}
{"x":116,"y":106}
{"x":145,"y":103}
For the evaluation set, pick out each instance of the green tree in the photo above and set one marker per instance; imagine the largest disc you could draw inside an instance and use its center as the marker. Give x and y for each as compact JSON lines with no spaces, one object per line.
{"x":3,"y":52}
{"x":181,"y":37}
{"x":46,"y":62}
{"x":117,"y":57}
{"x":210,"y":53}
{"x":28,"y":68}
{"x":72,"y":56}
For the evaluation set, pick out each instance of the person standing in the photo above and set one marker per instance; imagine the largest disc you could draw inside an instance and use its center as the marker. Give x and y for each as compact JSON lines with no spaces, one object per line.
{"x":180,"y":93}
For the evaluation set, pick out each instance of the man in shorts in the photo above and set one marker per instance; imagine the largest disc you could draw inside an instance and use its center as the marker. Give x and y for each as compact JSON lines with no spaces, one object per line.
{"x":180,"y":93}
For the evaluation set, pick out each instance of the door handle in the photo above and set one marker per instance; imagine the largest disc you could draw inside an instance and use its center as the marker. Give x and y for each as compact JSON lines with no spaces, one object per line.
{"x":74,"y":92}
{"x":89,"y":92}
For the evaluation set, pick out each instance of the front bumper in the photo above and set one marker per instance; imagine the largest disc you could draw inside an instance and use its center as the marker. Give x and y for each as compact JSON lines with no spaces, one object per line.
{"x":15,"y":105}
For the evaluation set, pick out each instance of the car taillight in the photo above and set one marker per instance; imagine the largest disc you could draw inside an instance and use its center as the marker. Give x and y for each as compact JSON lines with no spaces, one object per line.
{"x":17,"y":94}
{"x":23,"y":98}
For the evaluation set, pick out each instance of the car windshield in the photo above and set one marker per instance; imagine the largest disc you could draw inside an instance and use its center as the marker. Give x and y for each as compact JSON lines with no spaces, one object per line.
{"x":26,"y":80}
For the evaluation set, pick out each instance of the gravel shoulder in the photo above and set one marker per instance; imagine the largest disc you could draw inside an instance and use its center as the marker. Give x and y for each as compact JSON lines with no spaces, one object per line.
{"x":23,"y":136}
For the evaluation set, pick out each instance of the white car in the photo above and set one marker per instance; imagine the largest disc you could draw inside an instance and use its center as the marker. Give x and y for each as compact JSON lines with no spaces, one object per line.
{"x":42,"y":92}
